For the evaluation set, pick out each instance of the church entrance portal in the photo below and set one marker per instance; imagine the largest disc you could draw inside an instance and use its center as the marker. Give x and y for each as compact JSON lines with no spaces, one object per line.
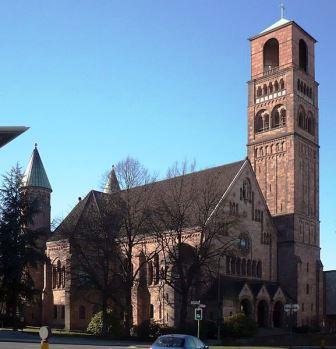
{"x":245,"y":307}
{"x":262,"y":314}
{"x":278,"y":314}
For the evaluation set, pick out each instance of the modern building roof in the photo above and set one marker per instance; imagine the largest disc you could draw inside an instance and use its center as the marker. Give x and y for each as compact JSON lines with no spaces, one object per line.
{"x":35,"y":174}
{"x":8,"y":133}
{"x":112,"y":184}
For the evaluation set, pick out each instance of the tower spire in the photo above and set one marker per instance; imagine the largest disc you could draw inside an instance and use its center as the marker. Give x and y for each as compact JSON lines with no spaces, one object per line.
{"x":35,"y":174}
{"x":112,"y":184}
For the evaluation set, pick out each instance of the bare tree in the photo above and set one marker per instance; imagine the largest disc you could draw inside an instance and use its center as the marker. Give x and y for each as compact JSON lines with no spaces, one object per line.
{"x":137,"y":187}
{"x":93,"y":263}
{"x":191,"y":229}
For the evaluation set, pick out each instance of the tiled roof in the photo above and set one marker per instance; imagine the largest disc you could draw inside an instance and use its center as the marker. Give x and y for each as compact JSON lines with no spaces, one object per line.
{"x":35,"y":174}
{"x":221,"y":177}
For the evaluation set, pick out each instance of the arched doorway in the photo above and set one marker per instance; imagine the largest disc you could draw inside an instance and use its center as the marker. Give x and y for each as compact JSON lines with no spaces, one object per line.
{"x":278,"y":314}
{"x":246,"y":307}
{"x":262,"y":314}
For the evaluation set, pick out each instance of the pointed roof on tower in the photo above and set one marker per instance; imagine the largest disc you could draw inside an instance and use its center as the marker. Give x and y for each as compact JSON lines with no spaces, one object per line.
{"x":35,"y":174}
{"x":112,"y":184}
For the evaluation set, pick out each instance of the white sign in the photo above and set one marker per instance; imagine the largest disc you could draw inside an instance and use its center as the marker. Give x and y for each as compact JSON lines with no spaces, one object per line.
{"x":202,"y":306}
{"x":195,"y":302}
{"x":291,"y":308}
{"x":44,"y":332}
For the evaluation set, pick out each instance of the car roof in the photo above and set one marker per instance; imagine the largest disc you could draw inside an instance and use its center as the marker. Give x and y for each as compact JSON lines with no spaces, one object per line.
{"x":177,"y":335}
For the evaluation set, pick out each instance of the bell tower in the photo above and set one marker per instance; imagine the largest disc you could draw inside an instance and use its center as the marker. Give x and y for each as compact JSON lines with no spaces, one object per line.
{"x":283,"y":148}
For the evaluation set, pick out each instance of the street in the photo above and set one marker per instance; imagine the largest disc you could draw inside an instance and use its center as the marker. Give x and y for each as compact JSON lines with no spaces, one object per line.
{"x":20,"y":345}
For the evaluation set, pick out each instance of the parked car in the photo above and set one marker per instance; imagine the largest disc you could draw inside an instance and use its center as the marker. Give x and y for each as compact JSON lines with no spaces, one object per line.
{"x":182,"y":341}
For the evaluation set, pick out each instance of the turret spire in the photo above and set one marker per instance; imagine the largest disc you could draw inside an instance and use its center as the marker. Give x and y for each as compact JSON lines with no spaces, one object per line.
{"x":112,"y":184}
{"x":35,"y":174}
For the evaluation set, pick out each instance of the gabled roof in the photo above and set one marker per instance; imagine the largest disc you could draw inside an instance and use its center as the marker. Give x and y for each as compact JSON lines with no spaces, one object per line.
{"x":8,"y":133}
{"x":221,"y":176}
{"x":94,"y":203}
{"x":35,"y":174}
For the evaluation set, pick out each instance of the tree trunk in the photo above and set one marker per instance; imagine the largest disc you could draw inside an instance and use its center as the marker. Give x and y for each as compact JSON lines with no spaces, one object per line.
{"x":183,"y":310}
{"x":128,"y":311}
{"x":104,"y":314}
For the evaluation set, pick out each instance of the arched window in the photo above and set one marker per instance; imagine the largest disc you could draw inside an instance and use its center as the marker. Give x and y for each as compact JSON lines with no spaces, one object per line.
{"x":243,"y":267}
{"x":266,"y":121}
{"x":282,"y":84}
{"x":259,"y":92}
{"x":63,"y":276}
{"x":54,"y":276}
{"x":258,"y":122}
{"x":59,"y":274}
{"x":265,"y":89}
{"x":233,"y":265}
{"x":254,"y":268}
{"x":283,"y":117}
{"x":238,"y":266}
{"x":270,"y":87}
{"x":156,"y":269}
{"x":271,"y":54}
{"x":303,"y":55}
{"x":150,"y":273}
{"x":247,"y":191}
{"x":298,"y":85}
{"x":301,"y":117}
{"x":81,"y":312}
{"x":248,"y":268}
{"x":304,"y":89}
{"x":310,"y":123}
{"x":276,"y":86}
{"x":278,"y":115}
{"x":259,"y":269}
{"x":142,"y":269}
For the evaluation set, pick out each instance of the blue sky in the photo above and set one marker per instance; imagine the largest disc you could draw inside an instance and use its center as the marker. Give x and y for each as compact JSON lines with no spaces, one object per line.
{"x":158,"y":80}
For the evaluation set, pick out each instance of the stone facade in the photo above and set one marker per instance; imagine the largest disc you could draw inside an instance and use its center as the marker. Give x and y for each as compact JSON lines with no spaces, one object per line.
{"x":284,"y":152}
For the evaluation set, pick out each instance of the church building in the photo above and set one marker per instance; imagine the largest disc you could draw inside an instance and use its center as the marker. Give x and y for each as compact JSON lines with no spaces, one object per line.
{"x":274,"y":191}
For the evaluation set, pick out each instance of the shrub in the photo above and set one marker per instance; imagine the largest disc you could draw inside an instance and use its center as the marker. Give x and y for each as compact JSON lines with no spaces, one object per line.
{"x":239,"y":325}
{"x":149,"y":329}
{"x":305,"y":329}
{"x":114,"y":328}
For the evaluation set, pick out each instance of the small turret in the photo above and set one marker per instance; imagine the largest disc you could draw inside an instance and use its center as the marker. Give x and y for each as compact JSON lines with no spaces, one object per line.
{"x":36,"y":184}
{"x":35,"y":174}
{"x":112,"y":184}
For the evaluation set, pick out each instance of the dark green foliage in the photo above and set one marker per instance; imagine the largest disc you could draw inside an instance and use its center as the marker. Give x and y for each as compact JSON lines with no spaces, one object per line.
{"x":18,"y":245}
{"x":239,"y":325}
{"x":150,"y":330}
{"x":113,"y":325}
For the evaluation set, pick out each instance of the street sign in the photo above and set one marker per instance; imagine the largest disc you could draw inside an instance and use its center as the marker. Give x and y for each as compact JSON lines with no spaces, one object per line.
{"x":291,"y":308}
{"x":202,"y":306}
{"x":195,"y":302}
{"x":198,"y":314}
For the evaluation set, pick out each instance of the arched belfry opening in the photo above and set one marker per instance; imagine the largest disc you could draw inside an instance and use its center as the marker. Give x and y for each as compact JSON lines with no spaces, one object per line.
{"x":271,"y":54}
{"x":303,"y":55}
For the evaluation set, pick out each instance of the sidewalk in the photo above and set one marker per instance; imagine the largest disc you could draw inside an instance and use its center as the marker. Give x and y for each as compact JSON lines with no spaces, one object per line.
{"x":23,"y":337}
